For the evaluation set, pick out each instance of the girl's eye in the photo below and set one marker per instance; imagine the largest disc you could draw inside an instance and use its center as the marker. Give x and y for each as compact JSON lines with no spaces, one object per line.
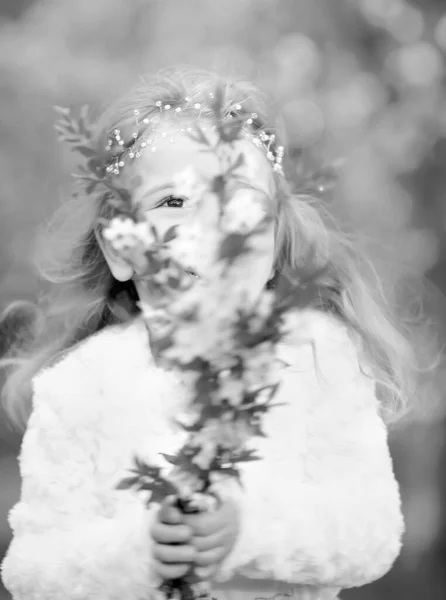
{"x":173,"y":202}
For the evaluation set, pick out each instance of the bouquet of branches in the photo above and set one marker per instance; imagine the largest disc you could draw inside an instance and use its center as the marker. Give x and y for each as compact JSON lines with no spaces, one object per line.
{"x":202,"y":319}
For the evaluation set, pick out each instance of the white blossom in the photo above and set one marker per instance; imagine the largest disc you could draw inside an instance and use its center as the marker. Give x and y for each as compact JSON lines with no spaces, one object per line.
{"x":225,"y":433}
{"x":159,"y":320}
{"x":186,"y":483}
{"x":231,"y":389}
{"x":244,"y":212}
{"x":207,"y":453}
{"x":185,"y":246}
{"x":265,"y":304}
{"x":144,"y":233}
{"x":188,"y":183}
{"x":262,"y":311}
{"x":261,"y":366}
{"x":124,"y":234}
{"x":233,"y":434}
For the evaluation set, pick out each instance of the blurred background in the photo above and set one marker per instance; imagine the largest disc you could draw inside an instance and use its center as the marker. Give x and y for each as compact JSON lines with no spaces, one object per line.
{"x":360,"y":83}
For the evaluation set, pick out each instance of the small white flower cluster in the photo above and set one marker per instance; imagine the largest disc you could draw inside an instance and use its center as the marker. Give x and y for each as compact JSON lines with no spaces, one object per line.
{"x":230,"y":388}
{"x":186,"y":483}
{"x":225,"y":433}
{"x":158,"y":319}
{"x":188,"y":183}
{"x":261,"y":367}
{"x":217,"y":303}
{"x":125,"y":235}
{"x":187,"y":246}
{"x":244,"y":212}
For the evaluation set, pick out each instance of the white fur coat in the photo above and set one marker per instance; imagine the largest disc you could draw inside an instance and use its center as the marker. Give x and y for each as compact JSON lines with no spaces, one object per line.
{"x":320,"y":512}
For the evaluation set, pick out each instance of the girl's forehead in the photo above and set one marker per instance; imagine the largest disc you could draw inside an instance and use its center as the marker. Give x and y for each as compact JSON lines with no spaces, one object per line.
{"x":175,"y":150}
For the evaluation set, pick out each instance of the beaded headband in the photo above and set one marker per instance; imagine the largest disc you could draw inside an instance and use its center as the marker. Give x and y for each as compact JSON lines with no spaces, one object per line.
{"x":140,"y":142}
{"x":104,"y":164}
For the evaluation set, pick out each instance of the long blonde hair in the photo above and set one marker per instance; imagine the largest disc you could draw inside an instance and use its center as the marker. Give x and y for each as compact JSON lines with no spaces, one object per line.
{"x":84,"y":297}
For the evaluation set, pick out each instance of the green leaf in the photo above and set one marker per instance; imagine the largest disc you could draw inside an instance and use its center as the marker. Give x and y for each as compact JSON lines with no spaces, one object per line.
{"x":75,"y":126}
{"x":198,"y":136}
{"x":233,"y":246}
{"x":125,"y":195}
{"x":189,"y":428}
{"x":245,"y":456}
{"x":59,"y":128}
{"x":71,"y":139}
{"x":173,"y":282}
{"x":257,"y":430}
{"x":204,"y":387}
{"x":83,"y":177}
{"x":86,"y":151}
{"x":161,"y":344}
{"x":159,"y":493}
{"x":83,"y":129}
{"x":92,"y":186}
{"x":127,"y":483}
{"x":94,"y":164}
{"x":171,"y":458}
{"x":211,"y":411}
{"x":218,"y":103}
{"x":231,"y":472}
{"x":170,"y":234}
{"x":198,"y":364}
{"x":84,"y":112}
{"x":230,"y":130}
{"x":239,"y":162}
{"x":218,"y":185}
{"x":144,"y":469}
{"x":154,"y":232}
{"x":62,"y":110}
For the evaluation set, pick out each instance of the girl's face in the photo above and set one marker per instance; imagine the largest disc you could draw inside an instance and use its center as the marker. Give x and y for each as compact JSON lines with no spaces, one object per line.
{"x":158,"y":194}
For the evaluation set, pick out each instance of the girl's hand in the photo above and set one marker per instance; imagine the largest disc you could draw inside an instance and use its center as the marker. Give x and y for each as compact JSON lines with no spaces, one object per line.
{"x":172,"y":550}
{"x":214,"y":535}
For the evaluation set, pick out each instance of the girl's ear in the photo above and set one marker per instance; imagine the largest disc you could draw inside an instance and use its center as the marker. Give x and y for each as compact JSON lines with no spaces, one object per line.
{"x":119,"y":268}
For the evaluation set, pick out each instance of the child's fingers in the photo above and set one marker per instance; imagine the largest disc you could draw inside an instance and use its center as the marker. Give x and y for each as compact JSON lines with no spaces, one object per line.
{"x":206,"y":573}
{"x":210,"y":522}
{"x":174,"y":554}
{"x":171,"y":534}
{"x":204,"y":523}
{"x":203,"y":543}
{"x":211,"y":557}
{"x":169,"y":514}
{"x":171,"y":571}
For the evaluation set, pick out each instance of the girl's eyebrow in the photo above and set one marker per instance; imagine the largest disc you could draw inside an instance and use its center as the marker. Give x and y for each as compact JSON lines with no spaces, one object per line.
{"x":158,"y":188}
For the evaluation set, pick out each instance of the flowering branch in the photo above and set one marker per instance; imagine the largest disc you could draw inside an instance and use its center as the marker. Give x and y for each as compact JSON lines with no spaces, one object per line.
{"x":205,"y":326}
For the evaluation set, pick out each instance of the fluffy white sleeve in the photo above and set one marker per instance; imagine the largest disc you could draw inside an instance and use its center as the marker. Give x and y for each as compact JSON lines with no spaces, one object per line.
{"x":74,"y":537}
{"x":322,"y":508}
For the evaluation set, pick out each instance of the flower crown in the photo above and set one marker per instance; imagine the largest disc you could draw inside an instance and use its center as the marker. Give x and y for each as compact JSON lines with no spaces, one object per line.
{"x":120,"y":151}
{"x":104,"y":164}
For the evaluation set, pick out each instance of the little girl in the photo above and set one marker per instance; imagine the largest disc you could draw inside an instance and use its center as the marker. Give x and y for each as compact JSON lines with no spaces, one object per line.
{"x":320,"y":511}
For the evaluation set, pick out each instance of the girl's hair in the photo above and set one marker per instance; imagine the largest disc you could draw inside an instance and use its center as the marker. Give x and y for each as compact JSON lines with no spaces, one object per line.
{"x":84,"y":297}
